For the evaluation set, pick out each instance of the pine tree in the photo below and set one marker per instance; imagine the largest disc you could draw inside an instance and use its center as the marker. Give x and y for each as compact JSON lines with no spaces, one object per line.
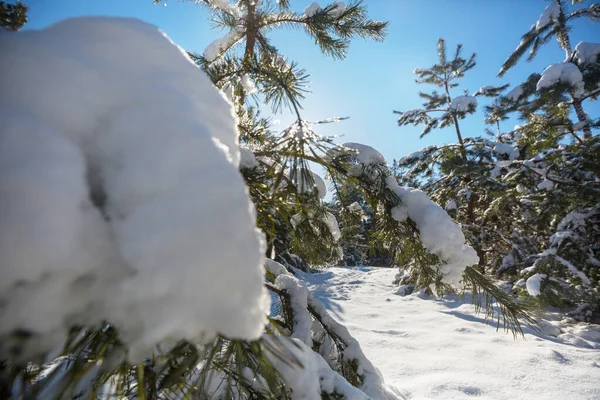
{"x":13,"y":16}
{"x":555,"y":185}
{"x":451,"y":173}
{"x":300,"y":230}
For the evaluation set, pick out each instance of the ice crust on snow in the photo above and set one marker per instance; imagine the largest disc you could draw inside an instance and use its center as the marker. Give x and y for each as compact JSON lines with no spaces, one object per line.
{"x":564,"y":72}
{"x":549,"y":15}
{"x":438,"y":232}
{"x":463,"y":103}
{"x":122,"y":201}
{"x":587,"y":53}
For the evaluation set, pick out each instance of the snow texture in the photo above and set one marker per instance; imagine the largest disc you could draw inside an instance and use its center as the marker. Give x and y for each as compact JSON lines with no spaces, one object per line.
{"x":515,"y":94}
{"x":316,"y":376}
{"x":400,"y":213}
{"x":415,"y":155}
{"x":533,"y":284}
{"x":503,"y":148}
{"x":484,"y":90}
{"x":365,"y":155}
{"x":339,"y":9}
{"x":587,"y":53}
{"x":441,"y":349}
{"x":247,"y":158}
{"x":218,"y":46}
{"x":564,"y":72}
{"x":546,"y":184}
{"x":463,"y":103}
{"x":312,"y":9}
{"x":248,"y":84}
{"x":308,"y":181}
{"x":120,"y":194}
{"x":450,"y":205}
{"x":438,"y":232}
{"x":549,"y":15}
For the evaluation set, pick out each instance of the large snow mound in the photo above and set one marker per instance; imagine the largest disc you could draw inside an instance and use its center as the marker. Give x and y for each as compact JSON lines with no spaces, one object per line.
{"x":120,"y":198}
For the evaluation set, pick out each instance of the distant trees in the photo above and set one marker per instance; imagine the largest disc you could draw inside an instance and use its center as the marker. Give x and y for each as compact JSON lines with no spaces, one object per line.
{"x":527,"y":198}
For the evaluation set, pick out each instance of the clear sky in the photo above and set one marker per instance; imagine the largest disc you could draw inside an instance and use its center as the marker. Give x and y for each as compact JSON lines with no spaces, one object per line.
{"x":375,"y":78}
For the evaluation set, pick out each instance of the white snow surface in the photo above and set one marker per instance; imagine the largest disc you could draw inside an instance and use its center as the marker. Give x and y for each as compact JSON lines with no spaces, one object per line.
{"x":120,"y":195}
{"x":564,"y":72}
{"x":549,"y":15}
{"x":463,"y":103}
{"x":431,"y":348}
{"x":587,"y":53}
{"x":438,"y":232}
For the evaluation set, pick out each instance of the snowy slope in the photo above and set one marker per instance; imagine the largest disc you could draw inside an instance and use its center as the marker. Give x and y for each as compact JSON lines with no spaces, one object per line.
{"x":439,"y":349}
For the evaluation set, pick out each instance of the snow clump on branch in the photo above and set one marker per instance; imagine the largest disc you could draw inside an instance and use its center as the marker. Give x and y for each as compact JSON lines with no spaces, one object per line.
{"x":122,"y":202}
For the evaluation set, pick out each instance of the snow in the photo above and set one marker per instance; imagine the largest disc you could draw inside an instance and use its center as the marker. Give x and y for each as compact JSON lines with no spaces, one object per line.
{"x":365,"y":155}
{"x":437,"y":231}
{"x":503,"y":148}
{"x":415,"y":155}
{"x":484,"y":90}
{"x":308,"y":181}
{"x":333,"y":226}
{"x":339,"y":9}
{"x":400,"y":213}
{"x":105,"y":214}
{"x":533,"y":284}
{"x":463,"y":103}
{"x":430,"y":348}
{"x":515,"y":93}
{"x":549,"y":15}
{"x":587,"y":53}
{"x":248,"y":84}
{"x":247,"y":158}
{"x":218,"y":46}
{"x":316,"y":375}
{"x":450,"y":205}
{"x":312,"y":9}
{"x":564,"y":72}
{"x":546,"y":184}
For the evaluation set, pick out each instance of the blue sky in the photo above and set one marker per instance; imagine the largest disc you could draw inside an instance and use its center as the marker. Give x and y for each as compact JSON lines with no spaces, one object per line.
{"x":375,"y":78}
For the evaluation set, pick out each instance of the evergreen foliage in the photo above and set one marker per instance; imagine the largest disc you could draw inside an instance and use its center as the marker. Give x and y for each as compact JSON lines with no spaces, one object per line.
{"x":527,"y":199}
{"x":12,"y":16}
{"x":302,"y":230}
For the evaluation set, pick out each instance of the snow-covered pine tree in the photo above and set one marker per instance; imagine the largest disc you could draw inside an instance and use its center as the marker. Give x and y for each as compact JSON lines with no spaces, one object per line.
{"x":458,"y":176}
{"x":555,"y":181}
{"x":321,"y":359}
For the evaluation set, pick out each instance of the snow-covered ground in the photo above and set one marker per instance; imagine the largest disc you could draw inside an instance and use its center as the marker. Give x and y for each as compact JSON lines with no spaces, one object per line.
{"x":432,"y":348}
